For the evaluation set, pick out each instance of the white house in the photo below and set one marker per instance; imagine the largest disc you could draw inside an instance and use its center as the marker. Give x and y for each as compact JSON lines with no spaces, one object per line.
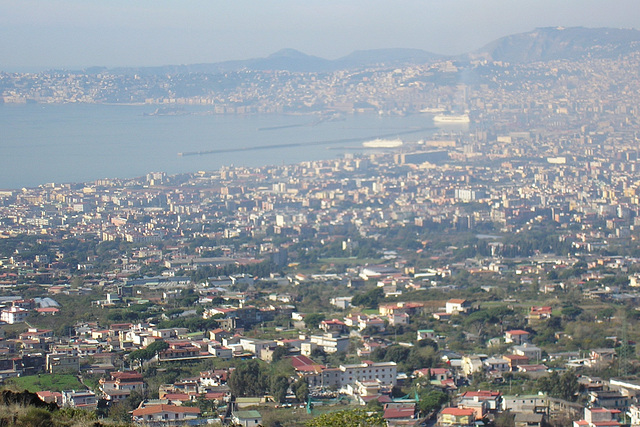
{"x":247,"y":418}
{"x":84,"y":399}
{"x":456,"y":306}
{"x":14,"y":315}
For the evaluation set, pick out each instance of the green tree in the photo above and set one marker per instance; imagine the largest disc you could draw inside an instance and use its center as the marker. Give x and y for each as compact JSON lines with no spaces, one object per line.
{"x":419,"y":358}
{"x":565,"y":386}
{"x":301,"y":389}
{"x":157,"y":346}
{"x":149,"y":352}
{"x":349,"y":418}
{"x":278,"y":353}
{"x":571,"y":312}
{"x":312,"y":320}
{"x":369,"y":299}
{"x":397,"y":353}
{"x":279,"y":386}
{"x":248,"y":379}
{"x":432,"y":400}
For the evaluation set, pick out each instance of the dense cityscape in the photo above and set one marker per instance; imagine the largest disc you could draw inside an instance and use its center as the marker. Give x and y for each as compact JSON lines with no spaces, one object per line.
{"x":487,"y":275}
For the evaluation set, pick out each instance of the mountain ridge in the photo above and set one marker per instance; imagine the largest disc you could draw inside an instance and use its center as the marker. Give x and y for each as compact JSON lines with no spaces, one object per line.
{"x":551,"y":43}
{"x":540,"y":44}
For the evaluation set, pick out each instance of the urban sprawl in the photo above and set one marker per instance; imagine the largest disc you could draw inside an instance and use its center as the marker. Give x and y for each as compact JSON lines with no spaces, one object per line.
{"x":487,"y":275}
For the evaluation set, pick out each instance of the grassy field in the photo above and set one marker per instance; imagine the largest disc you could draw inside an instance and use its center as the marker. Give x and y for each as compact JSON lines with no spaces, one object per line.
{"x":53,"y":382}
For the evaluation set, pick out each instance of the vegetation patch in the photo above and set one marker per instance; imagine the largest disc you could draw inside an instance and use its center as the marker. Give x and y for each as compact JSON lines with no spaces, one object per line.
{"x":51,"y":382}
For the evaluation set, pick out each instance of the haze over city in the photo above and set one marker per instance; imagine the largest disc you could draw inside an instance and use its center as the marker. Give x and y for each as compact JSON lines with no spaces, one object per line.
{"x":319,"y":214}
{"x":72,"y":33}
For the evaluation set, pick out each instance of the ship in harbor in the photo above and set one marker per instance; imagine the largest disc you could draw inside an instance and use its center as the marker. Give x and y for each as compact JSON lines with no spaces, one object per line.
{"x":382,"y":143}
{"x":451,"y":118}
{"x":168,"y":111}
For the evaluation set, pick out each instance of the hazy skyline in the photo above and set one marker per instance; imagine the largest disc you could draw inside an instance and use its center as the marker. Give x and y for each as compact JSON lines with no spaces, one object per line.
{"x":81,"y":33}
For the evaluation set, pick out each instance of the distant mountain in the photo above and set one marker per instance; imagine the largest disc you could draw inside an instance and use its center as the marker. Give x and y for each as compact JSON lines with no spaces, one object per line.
{"x":295,"y":61}
{"x":541,"y":44}
{"x":544,"y":44}
{"x":392,"y":57}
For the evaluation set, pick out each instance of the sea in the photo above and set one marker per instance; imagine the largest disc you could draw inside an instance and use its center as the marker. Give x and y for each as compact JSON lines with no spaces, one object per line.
{"x":62,"y":143}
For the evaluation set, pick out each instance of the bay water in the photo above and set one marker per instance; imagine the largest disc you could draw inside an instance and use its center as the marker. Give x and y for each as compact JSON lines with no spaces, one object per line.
{"x":44,"y":143}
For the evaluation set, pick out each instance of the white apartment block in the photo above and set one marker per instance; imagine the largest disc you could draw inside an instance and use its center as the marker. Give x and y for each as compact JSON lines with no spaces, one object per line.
{"x":14,"y":315}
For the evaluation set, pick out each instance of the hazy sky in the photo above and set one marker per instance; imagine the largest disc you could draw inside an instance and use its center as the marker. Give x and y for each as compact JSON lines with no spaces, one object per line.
{"x":72,"y":33}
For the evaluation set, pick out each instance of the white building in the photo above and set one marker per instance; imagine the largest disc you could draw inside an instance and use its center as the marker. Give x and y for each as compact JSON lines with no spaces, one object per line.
{"x":456,"y":306}
{"x":79,"y":399}
{"x":255,"y":346}
{"x":531,"y":351}
{"x":634,"y":415}
{"x":247,"y":418}
{"x":220,"y":351}
{"x":385,"y":373}
{"x":330,"y":342}
{"x":14,"y":315}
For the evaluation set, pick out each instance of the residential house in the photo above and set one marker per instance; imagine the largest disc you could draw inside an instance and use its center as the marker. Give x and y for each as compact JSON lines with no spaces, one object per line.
{"x":213,"y":378}
{"x":398,"y":319}
{"x":534,"y":371}
{"x":424,"y":334}
{"x":457,"y":306}
{"x":531,"y":351}
{"x":539,"y":313}
{"x":50,"y":397}
{"x":121,"y":385}
{"x":496,"y":364}
{"x":481,"y":402}
{"x":333,"y":325}
{"x":165,"y":414}
{"x":219,"y":351}
{"x":434,"y":374}
{"x":472,"y":363}
{"x":515,"y":360}
{"x":526,"y":404}
{"x":450,"y":417}
{"x":219,"y":334}
{"x":602,"y":356}
{"x":255,"y":346}
{"x":406,"y":307}
{"x":371,"y":324}
{"x":383,"y":372}
{"x":329,"y":342}
{"x":341,"y":302}
{"x":516,"y":336}
{"x":609,"y":399}
{"x":634,"y":415}
{"x":84,"y":399}
{"x":14,"y":315}
{"x":246,"y":418}
{"x":61,"y":362}
{"x":312,"y":372}
{"x":442,"y":316}
{"x":399,"y":413}
{"x":599,"y":417}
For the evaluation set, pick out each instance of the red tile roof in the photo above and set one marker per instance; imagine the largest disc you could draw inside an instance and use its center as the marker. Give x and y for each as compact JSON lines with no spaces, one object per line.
{"x":458,"y":412}
{"x":517,"y":332}
{"x":390,"y":413}
{"x":157,"y":409}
